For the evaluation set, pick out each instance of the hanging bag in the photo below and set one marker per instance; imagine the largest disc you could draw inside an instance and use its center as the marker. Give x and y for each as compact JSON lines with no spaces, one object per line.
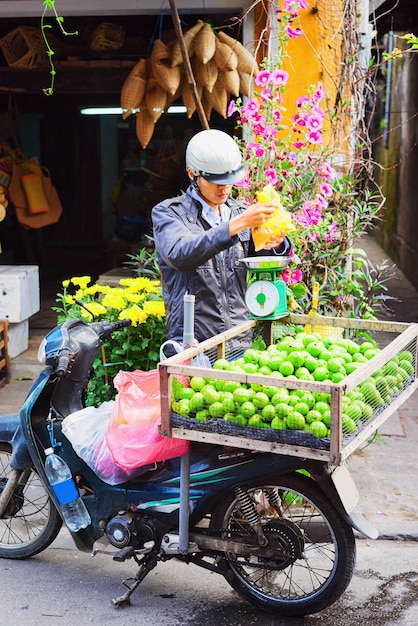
{"x":133,"y":436}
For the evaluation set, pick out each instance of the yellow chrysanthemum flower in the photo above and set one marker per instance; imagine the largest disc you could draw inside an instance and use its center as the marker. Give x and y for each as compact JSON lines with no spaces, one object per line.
{"x":65,"y":283}
{"x":69,"y":299}
{"x":114,"y":301}
{"x":154,"y":307}
{"x":96,"y":309}
{"x":135,"y":298}
{"x":134,"y":313}
{"x":93,"y":290}
{"x":81,"y":281}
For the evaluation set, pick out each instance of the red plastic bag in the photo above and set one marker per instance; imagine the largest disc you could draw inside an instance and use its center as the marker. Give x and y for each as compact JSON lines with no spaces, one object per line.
{"x":132,"y":435}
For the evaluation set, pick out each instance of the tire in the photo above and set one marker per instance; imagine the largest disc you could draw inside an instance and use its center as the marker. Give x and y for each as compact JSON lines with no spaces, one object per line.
{"x":316,"y":551}
{"x":31,"y":523}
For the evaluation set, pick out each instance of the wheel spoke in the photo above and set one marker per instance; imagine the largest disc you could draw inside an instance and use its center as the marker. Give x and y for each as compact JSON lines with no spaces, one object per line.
{"x":31,"y":522}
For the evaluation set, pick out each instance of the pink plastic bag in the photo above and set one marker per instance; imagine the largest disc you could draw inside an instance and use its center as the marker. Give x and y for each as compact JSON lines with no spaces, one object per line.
{"x":132,"y":435}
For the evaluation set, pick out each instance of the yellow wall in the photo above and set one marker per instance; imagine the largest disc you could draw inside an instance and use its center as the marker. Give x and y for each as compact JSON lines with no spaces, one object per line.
{"x":317,"y":56}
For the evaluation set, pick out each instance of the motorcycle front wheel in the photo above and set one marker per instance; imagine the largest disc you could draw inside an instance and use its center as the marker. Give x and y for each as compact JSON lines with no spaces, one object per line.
{"x":31,"y":522}
{"x":310,"y":556}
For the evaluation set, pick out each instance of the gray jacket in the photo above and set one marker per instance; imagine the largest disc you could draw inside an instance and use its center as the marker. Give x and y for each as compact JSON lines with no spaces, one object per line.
{"x":202,"y":260}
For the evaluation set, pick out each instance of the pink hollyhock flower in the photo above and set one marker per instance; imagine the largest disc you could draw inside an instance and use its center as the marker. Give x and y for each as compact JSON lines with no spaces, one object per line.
{"x":320,"y":201}
{"x":295,"y":277}
{"x":325,"y":189}
{"x":277,"y":116}
{"x":319,"y":92}
{"x":314,"y":122}
{"x":331,"y":232}
{"x":279,"y":77}
{"x":300,"y":101}
{"x":326,"y":171}
{"x":293,"y":32}
{"x":231,"y":108}
{"x":294,"y":6}
{"x":270,"y":176}
{"x":262,"y":78}
{"x":251,"y":108}
{"x":314,"y":137}
{"x":266,"y":95}
{"x":298,"y":144}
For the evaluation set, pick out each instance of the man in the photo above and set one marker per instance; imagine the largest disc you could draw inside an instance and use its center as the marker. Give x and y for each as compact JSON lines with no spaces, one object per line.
{"x":201,"y":236}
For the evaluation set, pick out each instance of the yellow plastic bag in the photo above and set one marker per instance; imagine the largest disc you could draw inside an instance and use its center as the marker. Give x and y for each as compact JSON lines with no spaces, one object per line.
{"x":280,"y":222}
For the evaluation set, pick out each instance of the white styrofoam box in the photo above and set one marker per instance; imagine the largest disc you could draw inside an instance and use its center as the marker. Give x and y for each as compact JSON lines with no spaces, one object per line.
{"x":19,"y":292}
{"x":18,"y":338}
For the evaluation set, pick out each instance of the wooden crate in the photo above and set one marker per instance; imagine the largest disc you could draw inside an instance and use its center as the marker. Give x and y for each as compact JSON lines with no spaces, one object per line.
{"x":393,"y":338}
{"x":4,"y":354}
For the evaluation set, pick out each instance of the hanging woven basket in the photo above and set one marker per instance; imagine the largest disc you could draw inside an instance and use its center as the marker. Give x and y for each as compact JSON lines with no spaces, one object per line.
{"x":224,"y":57}
{"x":155,"y":99}
{"x":246,"y":61}
{"x":217,"y":99}
{"x":166,"y":76}
{"x":206,"y":73}
{"x":189,"y":35}
{"x":144,"y":126}
{"x":205,"y":44}
{"x":131,"y":95}
{"x":230,"y":82}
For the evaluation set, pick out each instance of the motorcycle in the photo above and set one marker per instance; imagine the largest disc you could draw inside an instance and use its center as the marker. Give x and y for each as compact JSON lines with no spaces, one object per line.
{"x":278,"y":528}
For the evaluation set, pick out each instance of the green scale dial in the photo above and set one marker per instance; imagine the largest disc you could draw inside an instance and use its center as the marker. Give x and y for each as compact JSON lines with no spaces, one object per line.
{"x":265,"y":297}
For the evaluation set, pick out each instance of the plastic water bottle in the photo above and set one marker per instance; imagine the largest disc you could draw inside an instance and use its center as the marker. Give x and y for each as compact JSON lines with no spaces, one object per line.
{"x":72,"y":507}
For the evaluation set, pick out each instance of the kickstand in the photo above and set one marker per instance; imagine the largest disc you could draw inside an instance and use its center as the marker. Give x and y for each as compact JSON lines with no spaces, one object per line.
{"x":147,"y":563}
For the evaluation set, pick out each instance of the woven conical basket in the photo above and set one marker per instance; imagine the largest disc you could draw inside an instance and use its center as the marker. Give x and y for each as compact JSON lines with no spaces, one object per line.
{"x":140,"y":69}
{"x":207,"y":106}
{"x":205,"y":44}
{"x":230,"y":82}
{"x":206,"y":73}
{"x":217,"y":99}
{"x":155,"y":99}
{"x":246,"y":61}
{"x":225,"y":58}
{"x":133,"y":90}
{"x":166,"y":76}
{"x":189,"y":35}
{"x":144,"y":126}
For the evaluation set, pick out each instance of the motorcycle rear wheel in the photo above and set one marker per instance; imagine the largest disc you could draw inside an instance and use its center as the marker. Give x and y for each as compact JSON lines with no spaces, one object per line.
{"x":316,"y":549}
{"x":31,"y":522}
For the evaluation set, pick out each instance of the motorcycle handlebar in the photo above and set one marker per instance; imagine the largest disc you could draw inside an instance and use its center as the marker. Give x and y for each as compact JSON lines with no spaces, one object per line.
{"x":63,"y":363}
{"x":105,"y":329}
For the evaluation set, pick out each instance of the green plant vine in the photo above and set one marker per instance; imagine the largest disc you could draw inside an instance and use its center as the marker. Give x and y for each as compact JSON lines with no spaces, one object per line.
{"x":50,"y":4}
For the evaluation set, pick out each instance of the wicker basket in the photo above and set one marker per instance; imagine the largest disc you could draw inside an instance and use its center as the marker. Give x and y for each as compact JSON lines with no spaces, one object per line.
{"x":230,"y":82}
{"x":132,"y":93}
{"x":107,"y":36}
{"x":217,"y":99}
{"x":224,"y":57}
{"x":189,"y":35}
{"x":206,"y":73}
{"x":24,"y":47}
{"x":205,"y":44}
{"x":144,"y":126}
{"x":246,"y":61}
{"x":155,"y":99}
{"x":166,"y":76}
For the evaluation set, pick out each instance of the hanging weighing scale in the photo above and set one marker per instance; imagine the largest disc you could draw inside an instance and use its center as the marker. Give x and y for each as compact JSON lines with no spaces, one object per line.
{"x":265,"y":297}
